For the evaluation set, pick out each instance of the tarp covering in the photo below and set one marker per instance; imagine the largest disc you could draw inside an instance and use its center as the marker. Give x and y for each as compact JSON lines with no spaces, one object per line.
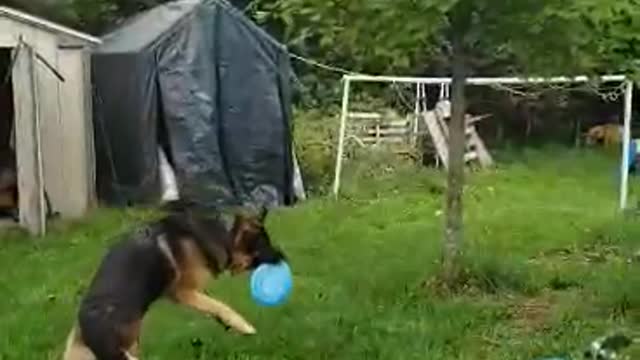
{"x":202,"y":81}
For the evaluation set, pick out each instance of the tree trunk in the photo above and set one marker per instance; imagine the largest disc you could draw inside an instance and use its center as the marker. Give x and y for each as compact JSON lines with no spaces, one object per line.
{"x":453,"y":236}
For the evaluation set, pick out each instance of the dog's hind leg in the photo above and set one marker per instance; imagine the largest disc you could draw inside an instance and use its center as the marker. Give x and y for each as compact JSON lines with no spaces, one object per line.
{"x":215,"y":308}
{"x":134,"y":350}
{"x":75,"y":348}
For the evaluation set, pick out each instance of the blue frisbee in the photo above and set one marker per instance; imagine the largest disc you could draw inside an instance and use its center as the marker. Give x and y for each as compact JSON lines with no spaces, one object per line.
{"x":271,"y":284}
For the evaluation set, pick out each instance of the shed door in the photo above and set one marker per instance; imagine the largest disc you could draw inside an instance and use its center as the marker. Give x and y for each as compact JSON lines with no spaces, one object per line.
{"x":28,"y":150}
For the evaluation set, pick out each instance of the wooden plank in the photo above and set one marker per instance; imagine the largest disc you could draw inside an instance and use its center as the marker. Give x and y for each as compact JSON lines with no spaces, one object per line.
{"x":483,"y":154}
{"x":387,"y":126}
{"x":444,"y":127}
{"x":399,"y":123}
{"x":474,"y":141}
{"x":75,"y":155}
{"x":388,"y":140}
{"x":387,"y":132}
{"x":384,"y":137}
{"x":28,"y":151}
{"x":471,"y":119}
{"x":364,"y":115}
{"x":87,"y":91}
{"x":439,"y":140}
{"x":55,"y":170}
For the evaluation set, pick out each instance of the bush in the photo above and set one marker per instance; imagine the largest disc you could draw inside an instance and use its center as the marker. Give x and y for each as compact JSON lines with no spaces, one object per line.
{"x":316,"y":141}
{"x":316,"y":134}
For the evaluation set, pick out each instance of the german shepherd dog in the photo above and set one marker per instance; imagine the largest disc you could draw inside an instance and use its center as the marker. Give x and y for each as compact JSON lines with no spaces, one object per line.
{"x":171,"y":258}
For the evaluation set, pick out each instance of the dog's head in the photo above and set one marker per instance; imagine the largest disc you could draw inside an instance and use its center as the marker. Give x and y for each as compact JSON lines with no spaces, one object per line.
{"x":595,"y":134}
{"x":251,"y":244}
{"x":248,"y":243}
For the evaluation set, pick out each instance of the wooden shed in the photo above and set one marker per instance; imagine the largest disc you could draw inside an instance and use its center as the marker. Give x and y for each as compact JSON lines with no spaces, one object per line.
{"x":45,"y":118}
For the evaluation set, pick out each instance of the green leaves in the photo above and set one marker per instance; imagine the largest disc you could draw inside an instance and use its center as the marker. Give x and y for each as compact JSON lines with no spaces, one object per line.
{"x":377,"y":35}
{"x":403,"y":36}
{"x":92,"y":16}
{"x":542,"y":37}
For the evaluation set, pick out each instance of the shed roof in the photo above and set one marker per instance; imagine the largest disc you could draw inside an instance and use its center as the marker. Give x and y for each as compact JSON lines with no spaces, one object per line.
{"x":47,"y":25}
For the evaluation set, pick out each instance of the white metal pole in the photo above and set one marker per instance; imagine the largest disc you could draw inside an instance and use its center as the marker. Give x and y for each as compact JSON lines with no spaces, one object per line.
{"x":341,"y":136}
{"x":485,"y":80}
{"x":416,"y":113}
{"x":416,"y":107}
{"x":626,"y":139}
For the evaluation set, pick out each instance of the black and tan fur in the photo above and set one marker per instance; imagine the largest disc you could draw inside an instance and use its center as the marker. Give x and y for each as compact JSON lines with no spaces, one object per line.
{"x":171,"y":258}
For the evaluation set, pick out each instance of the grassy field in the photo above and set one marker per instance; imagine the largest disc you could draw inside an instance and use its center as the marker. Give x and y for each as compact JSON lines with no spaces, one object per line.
{"x":551,"y":266}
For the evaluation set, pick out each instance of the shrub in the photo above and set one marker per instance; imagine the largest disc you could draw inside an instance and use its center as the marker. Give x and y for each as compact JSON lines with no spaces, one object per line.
{"x":315,"y":135}
{"x":316,"y":141}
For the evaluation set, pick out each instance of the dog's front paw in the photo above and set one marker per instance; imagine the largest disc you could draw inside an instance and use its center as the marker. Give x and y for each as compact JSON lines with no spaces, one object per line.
{"x":242,"y":327}
{"x":247,"y":329}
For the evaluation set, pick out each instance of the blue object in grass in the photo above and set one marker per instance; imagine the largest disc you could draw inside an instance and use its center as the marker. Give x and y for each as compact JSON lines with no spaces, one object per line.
{"x":631,"y":156}
{"x":633,"y":150}
{"x":271,"y":284}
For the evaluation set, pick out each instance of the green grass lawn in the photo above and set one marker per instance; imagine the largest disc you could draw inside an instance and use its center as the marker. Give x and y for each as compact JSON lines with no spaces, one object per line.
{"x":550,"y":268}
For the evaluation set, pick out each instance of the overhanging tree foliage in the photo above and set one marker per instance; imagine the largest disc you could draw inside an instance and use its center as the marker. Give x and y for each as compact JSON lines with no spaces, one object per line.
{"x":544,"y":37}
{"x":93,"y":16}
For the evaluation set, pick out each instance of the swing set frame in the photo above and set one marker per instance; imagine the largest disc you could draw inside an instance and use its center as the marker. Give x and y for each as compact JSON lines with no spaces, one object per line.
{"x":348,"y":80}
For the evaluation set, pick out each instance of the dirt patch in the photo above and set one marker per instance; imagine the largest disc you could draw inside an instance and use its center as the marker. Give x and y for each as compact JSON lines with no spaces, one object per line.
{"x":476,"y":281}
{"x":532,"y":314}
